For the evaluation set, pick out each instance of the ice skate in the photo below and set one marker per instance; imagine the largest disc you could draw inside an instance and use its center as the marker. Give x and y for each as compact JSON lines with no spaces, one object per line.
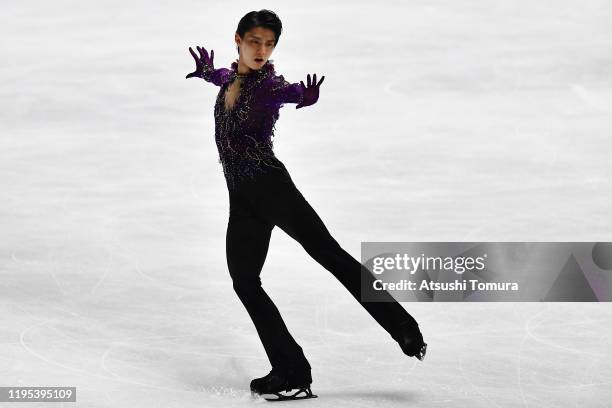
{"x":411,"y":341}
{"x":284,"y":384}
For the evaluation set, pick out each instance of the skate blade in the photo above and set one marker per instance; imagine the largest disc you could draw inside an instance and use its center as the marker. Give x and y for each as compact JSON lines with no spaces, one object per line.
{"x":302,"y":393}
{"x":422,"y":352}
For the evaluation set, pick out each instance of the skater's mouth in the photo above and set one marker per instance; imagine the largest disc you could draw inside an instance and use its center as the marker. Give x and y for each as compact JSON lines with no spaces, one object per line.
{"x":259,"y":59}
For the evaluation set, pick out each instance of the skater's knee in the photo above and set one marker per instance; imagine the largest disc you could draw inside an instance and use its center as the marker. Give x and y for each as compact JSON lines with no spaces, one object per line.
{"x":319,"y":242}
{"x":246,"y":288}
{"x":325,"y":247}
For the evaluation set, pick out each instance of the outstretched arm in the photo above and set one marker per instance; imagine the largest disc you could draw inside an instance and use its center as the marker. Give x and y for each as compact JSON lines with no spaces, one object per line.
{"x":205,"y":68}
{"x":298,"y":93}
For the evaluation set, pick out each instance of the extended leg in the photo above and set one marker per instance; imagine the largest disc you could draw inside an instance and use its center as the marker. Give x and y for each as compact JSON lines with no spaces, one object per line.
{"x":292,"y":213}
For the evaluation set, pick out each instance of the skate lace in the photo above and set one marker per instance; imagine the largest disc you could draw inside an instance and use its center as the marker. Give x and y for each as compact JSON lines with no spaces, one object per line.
{"x":275,"y":371}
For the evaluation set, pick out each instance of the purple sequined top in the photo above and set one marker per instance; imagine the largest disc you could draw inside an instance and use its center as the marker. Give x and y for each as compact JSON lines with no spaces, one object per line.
{"x":244,"y":133}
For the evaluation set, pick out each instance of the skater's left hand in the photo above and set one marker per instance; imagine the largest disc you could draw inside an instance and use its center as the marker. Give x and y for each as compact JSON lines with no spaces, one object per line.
{"x":310,"y":92}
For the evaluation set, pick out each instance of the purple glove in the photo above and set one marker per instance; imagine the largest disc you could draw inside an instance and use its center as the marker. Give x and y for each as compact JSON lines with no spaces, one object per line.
{"x":310,"y":92}
{"x":204,"y":63}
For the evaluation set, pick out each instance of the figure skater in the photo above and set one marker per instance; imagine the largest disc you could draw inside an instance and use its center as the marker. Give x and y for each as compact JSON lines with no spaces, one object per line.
{"x":262,"y":195}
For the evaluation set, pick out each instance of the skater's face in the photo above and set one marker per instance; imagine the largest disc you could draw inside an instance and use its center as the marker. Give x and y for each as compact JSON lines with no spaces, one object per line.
{"x":256,"y":47}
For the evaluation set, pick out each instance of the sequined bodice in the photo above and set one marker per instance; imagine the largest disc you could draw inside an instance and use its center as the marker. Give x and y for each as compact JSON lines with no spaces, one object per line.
{"x":244,"y":133}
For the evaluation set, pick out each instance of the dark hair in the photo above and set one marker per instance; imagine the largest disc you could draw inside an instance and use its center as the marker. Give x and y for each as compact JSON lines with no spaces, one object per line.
{"x":262,"y":18}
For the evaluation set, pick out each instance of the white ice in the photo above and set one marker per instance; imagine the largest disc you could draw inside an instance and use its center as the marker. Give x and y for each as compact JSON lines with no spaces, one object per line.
{"x":438,"y":121}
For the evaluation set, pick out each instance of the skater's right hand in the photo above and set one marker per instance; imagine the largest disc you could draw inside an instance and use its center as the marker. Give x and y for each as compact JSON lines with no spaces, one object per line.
{"x":204,"y":63}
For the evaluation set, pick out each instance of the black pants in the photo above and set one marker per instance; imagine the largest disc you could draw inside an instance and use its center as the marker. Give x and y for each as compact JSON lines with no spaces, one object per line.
{"x":256,"y":207}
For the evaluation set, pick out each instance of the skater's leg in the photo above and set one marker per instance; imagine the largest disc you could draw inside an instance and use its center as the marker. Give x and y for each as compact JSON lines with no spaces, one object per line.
{"x":291,"y":212}
{"x":247,"y":243}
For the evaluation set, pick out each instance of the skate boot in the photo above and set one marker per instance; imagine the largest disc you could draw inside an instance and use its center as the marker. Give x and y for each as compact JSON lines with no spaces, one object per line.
{"x":410,"y":340}
{"x":284,"y":384}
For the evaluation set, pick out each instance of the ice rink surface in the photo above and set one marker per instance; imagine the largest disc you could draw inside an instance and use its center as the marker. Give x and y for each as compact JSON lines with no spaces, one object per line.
{"x":438,"y":121}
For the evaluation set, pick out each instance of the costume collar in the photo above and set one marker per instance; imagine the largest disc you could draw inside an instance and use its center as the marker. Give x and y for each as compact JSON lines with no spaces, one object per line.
{"x":267,"y":69}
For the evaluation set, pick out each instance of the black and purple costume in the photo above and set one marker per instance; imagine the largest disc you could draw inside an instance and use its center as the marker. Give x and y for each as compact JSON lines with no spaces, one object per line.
{"x":262,"y":195}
